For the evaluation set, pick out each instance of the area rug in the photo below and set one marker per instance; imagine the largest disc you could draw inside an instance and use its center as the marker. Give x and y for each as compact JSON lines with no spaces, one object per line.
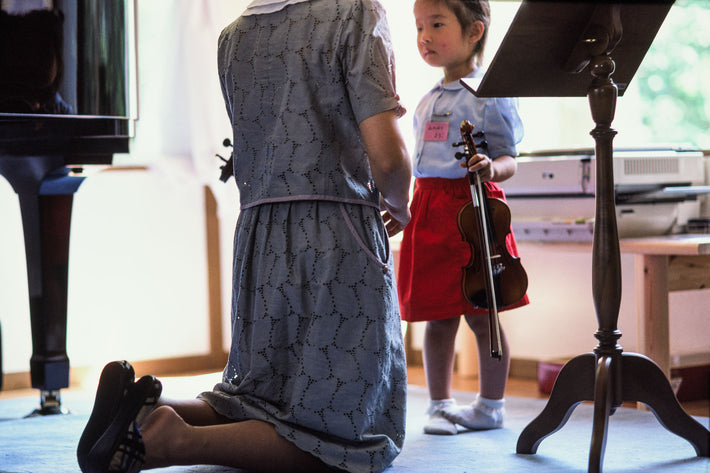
{"x":636,"y":441}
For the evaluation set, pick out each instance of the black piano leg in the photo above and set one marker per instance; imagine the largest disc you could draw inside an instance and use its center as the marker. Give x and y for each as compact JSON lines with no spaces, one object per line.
{"x":46,"y":188}
{"x":46,"y":221}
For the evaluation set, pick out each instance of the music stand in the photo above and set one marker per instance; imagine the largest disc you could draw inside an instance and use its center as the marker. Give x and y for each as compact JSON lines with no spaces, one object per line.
{"x":554,"y":45}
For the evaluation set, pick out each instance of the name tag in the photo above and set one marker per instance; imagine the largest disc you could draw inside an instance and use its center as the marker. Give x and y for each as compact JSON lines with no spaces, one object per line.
{"x":436,"y":131}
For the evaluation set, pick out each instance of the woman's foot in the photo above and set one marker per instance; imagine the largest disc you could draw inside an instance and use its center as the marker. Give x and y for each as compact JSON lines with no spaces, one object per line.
{"x":115,"y":380}
{"x":162,"y":423}
{"x":120,"y":448}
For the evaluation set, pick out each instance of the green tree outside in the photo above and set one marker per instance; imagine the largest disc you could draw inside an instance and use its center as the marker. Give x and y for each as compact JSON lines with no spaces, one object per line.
{"x":674,"y":76}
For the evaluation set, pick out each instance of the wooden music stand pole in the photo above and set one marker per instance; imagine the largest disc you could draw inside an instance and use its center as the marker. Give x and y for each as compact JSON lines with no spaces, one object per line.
{"x":607,"y":376}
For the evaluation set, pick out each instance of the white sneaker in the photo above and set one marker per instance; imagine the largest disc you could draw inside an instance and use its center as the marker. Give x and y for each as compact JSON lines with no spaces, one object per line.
{"x":437,"y":424}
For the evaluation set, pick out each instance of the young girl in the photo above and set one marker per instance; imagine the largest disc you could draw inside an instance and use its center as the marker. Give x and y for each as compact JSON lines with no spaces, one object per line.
{"x":451,"y":34}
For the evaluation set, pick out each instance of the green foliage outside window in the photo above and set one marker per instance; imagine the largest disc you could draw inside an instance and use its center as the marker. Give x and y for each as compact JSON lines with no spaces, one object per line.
{"x":673,"y":79}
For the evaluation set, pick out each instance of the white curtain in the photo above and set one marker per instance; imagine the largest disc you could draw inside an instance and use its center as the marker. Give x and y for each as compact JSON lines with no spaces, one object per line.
{"x":181,"y":115}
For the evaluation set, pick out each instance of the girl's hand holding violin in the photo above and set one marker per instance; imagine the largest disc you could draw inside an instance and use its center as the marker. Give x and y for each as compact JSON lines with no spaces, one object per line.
{"x":498,"y":170}
{"x":481,"y":164}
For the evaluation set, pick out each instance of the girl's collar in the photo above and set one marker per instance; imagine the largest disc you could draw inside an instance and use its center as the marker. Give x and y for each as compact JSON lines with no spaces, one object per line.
{"x":456,"y":85}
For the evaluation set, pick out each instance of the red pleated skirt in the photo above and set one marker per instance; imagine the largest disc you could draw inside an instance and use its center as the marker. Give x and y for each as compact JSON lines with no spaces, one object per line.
{"x":433,"y":252}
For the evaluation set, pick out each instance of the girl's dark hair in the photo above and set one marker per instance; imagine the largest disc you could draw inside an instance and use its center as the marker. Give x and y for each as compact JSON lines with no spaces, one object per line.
{"x":468,"y":12}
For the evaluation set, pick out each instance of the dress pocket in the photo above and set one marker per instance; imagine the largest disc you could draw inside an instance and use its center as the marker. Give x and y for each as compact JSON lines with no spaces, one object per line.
{"x":369,"y":233}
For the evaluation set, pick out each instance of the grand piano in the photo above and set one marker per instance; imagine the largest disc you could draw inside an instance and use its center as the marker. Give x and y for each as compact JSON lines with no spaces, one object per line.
{"x":65,"y":81}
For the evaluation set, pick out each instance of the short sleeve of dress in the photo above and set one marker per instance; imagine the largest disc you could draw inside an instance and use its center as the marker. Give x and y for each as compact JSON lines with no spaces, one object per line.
{"x":224,"y":66}
{"x":368,"y":62}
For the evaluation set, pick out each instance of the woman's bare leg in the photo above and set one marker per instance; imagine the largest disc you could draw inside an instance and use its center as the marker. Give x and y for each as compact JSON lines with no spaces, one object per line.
{"x":195,"y":412}
{"x":251,"y":444}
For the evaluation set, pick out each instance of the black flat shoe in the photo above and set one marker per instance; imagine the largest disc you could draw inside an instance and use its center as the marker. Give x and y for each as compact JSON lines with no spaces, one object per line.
{"x":120,"y":449}
{"x":116,"y":378}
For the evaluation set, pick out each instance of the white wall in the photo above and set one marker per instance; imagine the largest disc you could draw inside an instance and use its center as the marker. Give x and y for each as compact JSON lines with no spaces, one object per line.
{"x":137,"y":271}
{"x":137,"y":275}
{"x":560,"y":320}
{"x":14,"y":310}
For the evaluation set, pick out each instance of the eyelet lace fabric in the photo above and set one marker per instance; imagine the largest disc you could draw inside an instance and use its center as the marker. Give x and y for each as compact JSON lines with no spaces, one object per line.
{"x":297,"y":83}
{"x":317,"y":344}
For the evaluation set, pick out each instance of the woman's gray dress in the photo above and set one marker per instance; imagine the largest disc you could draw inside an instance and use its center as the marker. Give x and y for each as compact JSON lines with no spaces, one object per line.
{"x":317,"y":345}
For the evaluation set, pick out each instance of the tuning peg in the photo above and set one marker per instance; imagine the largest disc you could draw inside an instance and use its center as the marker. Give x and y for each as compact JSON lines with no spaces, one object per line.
{"x":227,"y":143}
{"x":460,"y":155}
{"x":457,"y":144}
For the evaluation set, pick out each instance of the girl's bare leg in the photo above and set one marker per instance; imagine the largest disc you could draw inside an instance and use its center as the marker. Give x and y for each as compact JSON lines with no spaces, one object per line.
{"x":439,"y":339}
{"x":487,"y":411}
{"x":251,"y":444}
{"x":492,"y":372}
{"x":438,"y":351}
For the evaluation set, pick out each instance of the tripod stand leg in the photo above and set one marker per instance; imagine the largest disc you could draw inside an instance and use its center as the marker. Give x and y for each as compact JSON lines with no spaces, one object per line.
{"x":603,"y":406}
{"x":645,"y":382}
{"x":574,"y":384}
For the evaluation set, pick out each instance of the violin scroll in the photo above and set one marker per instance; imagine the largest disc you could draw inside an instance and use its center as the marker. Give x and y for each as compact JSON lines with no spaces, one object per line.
{"x":228,"y":167}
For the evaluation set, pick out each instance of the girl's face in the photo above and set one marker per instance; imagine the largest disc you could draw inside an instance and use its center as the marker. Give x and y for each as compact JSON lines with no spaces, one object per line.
{"x":441,"y":40}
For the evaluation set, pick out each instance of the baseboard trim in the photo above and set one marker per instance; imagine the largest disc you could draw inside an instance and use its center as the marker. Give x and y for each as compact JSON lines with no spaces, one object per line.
{"x":159,"y":367}
{"x":522,"y":368}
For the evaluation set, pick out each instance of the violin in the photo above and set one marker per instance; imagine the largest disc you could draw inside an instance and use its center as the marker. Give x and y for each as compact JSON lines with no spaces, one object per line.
{"x":227,"y":169}
{"x":493,"y":277}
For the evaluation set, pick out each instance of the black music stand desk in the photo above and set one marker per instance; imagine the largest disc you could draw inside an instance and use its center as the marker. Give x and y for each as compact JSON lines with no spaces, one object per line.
{"x":554,"y":45}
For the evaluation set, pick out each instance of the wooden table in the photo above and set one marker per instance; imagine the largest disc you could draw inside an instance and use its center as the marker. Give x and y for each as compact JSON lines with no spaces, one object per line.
{"x":664,"y":264}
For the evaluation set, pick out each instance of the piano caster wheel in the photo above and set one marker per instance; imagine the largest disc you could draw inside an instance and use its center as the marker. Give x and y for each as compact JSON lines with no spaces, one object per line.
{"x":50,"y":404}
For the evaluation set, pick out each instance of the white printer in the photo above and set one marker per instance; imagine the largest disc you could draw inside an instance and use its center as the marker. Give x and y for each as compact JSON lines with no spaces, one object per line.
{"x":657,"y":191}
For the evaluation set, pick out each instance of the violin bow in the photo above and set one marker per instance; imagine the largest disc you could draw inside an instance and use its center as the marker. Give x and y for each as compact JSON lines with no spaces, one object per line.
{"x":478,"y":197}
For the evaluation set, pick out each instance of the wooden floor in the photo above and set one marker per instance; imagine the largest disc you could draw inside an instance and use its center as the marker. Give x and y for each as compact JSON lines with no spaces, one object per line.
{"x":529,"y":388}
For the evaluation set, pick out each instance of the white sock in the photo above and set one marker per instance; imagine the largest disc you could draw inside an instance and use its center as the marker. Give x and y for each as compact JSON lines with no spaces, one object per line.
{"x":482,"y":414}
{"x":437,"y":424}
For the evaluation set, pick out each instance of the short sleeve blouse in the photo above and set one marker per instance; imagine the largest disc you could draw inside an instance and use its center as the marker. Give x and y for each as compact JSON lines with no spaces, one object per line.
{"x":443,"y":108}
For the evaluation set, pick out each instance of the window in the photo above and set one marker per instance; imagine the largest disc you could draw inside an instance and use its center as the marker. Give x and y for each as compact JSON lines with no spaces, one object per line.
{"x":672,"y":81}
{"x":665,"y":103}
